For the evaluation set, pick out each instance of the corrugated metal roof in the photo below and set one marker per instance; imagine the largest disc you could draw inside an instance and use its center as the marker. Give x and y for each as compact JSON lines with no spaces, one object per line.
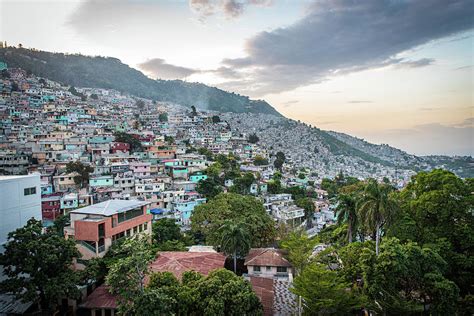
{"x":110,"y":207}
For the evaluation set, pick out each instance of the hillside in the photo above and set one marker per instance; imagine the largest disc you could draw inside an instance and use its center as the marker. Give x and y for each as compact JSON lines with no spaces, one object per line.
{"x":111,"y":73}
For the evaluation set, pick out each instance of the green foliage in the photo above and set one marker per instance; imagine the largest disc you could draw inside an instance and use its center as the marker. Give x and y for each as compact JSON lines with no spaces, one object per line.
{"x":253,"y":138}
{"x":135,"y":144}
{"x":83,"y":172}
{"x":46,"y":259}
{"x":235,"y":240}
{"x":166,"y":229}
{"x":162,"y":279}
{"x":208,"y":218}
{"x":324,"y":292}
{"x":404,"y":277}
{"x":260,"y":161}
{"x":111,"y":73}
{"x":163,"y":117}
{"x":436,"y":211}
{"x":206,"y":152}
{"x":126,"y":277}
{"x":216,"y":119}
{"x":308,"y":205}
{"x":209,"y":187}
{"x":299,"y":248}
{"x":242,"y":184}
{"x":376,"y":207}
{"x":140,"y":104}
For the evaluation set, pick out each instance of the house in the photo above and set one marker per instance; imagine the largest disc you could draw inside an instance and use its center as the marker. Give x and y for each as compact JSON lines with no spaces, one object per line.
{"x":96,"y":227}
{"x":268,"y":263}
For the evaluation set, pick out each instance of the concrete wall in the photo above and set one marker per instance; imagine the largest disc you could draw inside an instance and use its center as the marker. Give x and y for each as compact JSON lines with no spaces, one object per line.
{"x":16,"y":208}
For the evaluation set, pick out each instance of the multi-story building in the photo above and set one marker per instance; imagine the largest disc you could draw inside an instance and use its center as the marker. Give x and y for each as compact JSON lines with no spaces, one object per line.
{"x":20,"y":200}
{"x":97,"y":226}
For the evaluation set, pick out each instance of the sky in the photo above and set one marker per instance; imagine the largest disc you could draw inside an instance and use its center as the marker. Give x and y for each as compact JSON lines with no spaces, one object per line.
{"x":399,"y":72}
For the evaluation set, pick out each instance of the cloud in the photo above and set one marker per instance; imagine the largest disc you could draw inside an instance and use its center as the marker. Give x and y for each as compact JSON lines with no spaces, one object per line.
{"x":343,"y":36}
{"x":289,"y":103}
{"x":468,"y":67}
{"x":158,"y":68}
{"x":230,"y":8}
{"x":415,"y":63}
{"x":359,"y":101}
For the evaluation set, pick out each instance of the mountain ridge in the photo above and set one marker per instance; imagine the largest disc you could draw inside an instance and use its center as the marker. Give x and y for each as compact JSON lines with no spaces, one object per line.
{"x":111,"y":73}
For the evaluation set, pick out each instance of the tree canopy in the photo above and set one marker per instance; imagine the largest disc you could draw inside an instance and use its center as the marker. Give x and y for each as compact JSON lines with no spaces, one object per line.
{"x":46,"y":258}
{"x":208,"y":218}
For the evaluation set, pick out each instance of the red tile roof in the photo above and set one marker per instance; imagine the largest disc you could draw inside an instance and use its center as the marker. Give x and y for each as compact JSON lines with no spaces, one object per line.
{"x":100,"y":298}
{"x":263,"y":287}
{"x":266,"y":257}
{"x":178,"y":262}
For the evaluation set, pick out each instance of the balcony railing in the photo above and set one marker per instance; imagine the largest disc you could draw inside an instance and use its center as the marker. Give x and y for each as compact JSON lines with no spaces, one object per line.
{"x":87,"y":245}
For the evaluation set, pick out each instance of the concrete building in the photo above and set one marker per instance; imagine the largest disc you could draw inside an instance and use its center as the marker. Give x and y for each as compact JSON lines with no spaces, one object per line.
{"x":97,"y":226}
{"x":20,"y":198}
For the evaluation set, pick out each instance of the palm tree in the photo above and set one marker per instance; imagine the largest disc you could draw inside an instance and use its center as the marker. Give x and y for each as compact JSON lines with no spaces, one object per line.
{"x":346,"y":211}
{"x":376,"y":207}
{"x":235,"y":240}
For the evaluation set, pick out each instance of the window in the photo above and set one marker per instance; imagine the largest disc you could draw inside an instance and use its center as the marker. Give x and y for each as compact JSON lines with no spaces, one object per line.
{"x":269,"y":268}
{"x":256,"y":269}
{"x":29,"y":191}
{"x":146,"y":226}
{"x":282,"y":269}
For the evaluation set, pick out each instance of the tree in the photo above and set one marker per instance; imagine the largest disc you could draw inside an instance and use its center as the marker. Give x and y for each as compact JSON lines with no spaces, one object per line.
{"x":253,"y":138}
{"x":235,"y":240}
{"x":163,"y":117}
{"x":324,"y":292}
{"x":280,"y":160}
{"x":216,"y":119}
{"x":260,"y":161}
{"x":126,"y":277}
{"x":224,"y":293}
{"x":346,"y":212}
{"x":83,"y":172}
{"x":436,"y":211}
{"x":299,"y":248}
{"x":166,"y":229}
{"x":242,"y":184}
{"x":376,"y":207}
{"x":405,"y":278}
{"x":206,"y":219}
{"x":209,"y":187}
{"x":193,"y":111}
{"x":46,"y":258}
{"x":308,"y":205}
{"x":135,"y":144}
{"x":94,"y":96}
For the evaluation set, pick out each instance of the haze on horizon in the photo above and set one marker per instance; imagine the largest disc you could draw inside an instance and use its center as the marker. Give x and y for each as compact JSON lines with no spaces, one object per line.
{"x":397,"y":72}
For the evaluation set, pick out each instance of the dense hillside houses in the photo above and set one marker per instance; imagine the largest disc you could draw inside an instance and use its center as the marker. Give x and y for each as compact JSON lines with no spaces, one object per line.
{"x":104,"y":169}
{"x":93,"y":145}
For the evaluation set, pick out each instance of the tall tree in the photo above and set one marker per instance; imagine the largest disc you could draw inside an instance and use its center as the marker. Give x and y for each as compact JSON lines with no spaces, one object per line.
{"x":83,"y":172}
{"x":346,"y":211}
{"x":166,"y":229}
{"x":126,"y":277}
{"x":38,"y":266}
{"x":235,"y":240}
{"x":206,"y":219}
{"x":308,"y":205}
{"x":376,"y":207}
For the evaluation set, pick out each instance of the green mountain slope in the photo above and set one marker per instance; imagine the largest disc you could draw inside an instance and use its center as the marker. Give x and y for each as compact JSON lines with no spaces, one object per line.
{"x":111,"y":73}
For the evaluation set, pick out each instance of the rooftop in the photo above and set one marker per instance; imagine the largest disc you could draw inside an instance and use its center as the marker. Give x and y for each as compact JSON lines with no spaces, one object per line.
{"x":110,"y":207}
{"x":266,"y":257}
{"x":178,"y":262}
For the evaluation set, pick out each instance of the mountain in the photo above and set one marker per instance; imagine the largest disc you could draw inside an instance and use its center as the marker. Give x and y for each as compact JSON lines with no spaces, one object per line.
{"x":463,"y":166}
{"x":111,"y":73}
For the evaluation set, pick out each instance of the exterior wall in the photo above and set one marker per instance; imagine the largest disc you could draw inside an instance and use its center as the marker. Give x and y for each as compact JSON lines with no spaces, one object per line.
{"x":271,"y":272}
{"x":16,"y":208}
